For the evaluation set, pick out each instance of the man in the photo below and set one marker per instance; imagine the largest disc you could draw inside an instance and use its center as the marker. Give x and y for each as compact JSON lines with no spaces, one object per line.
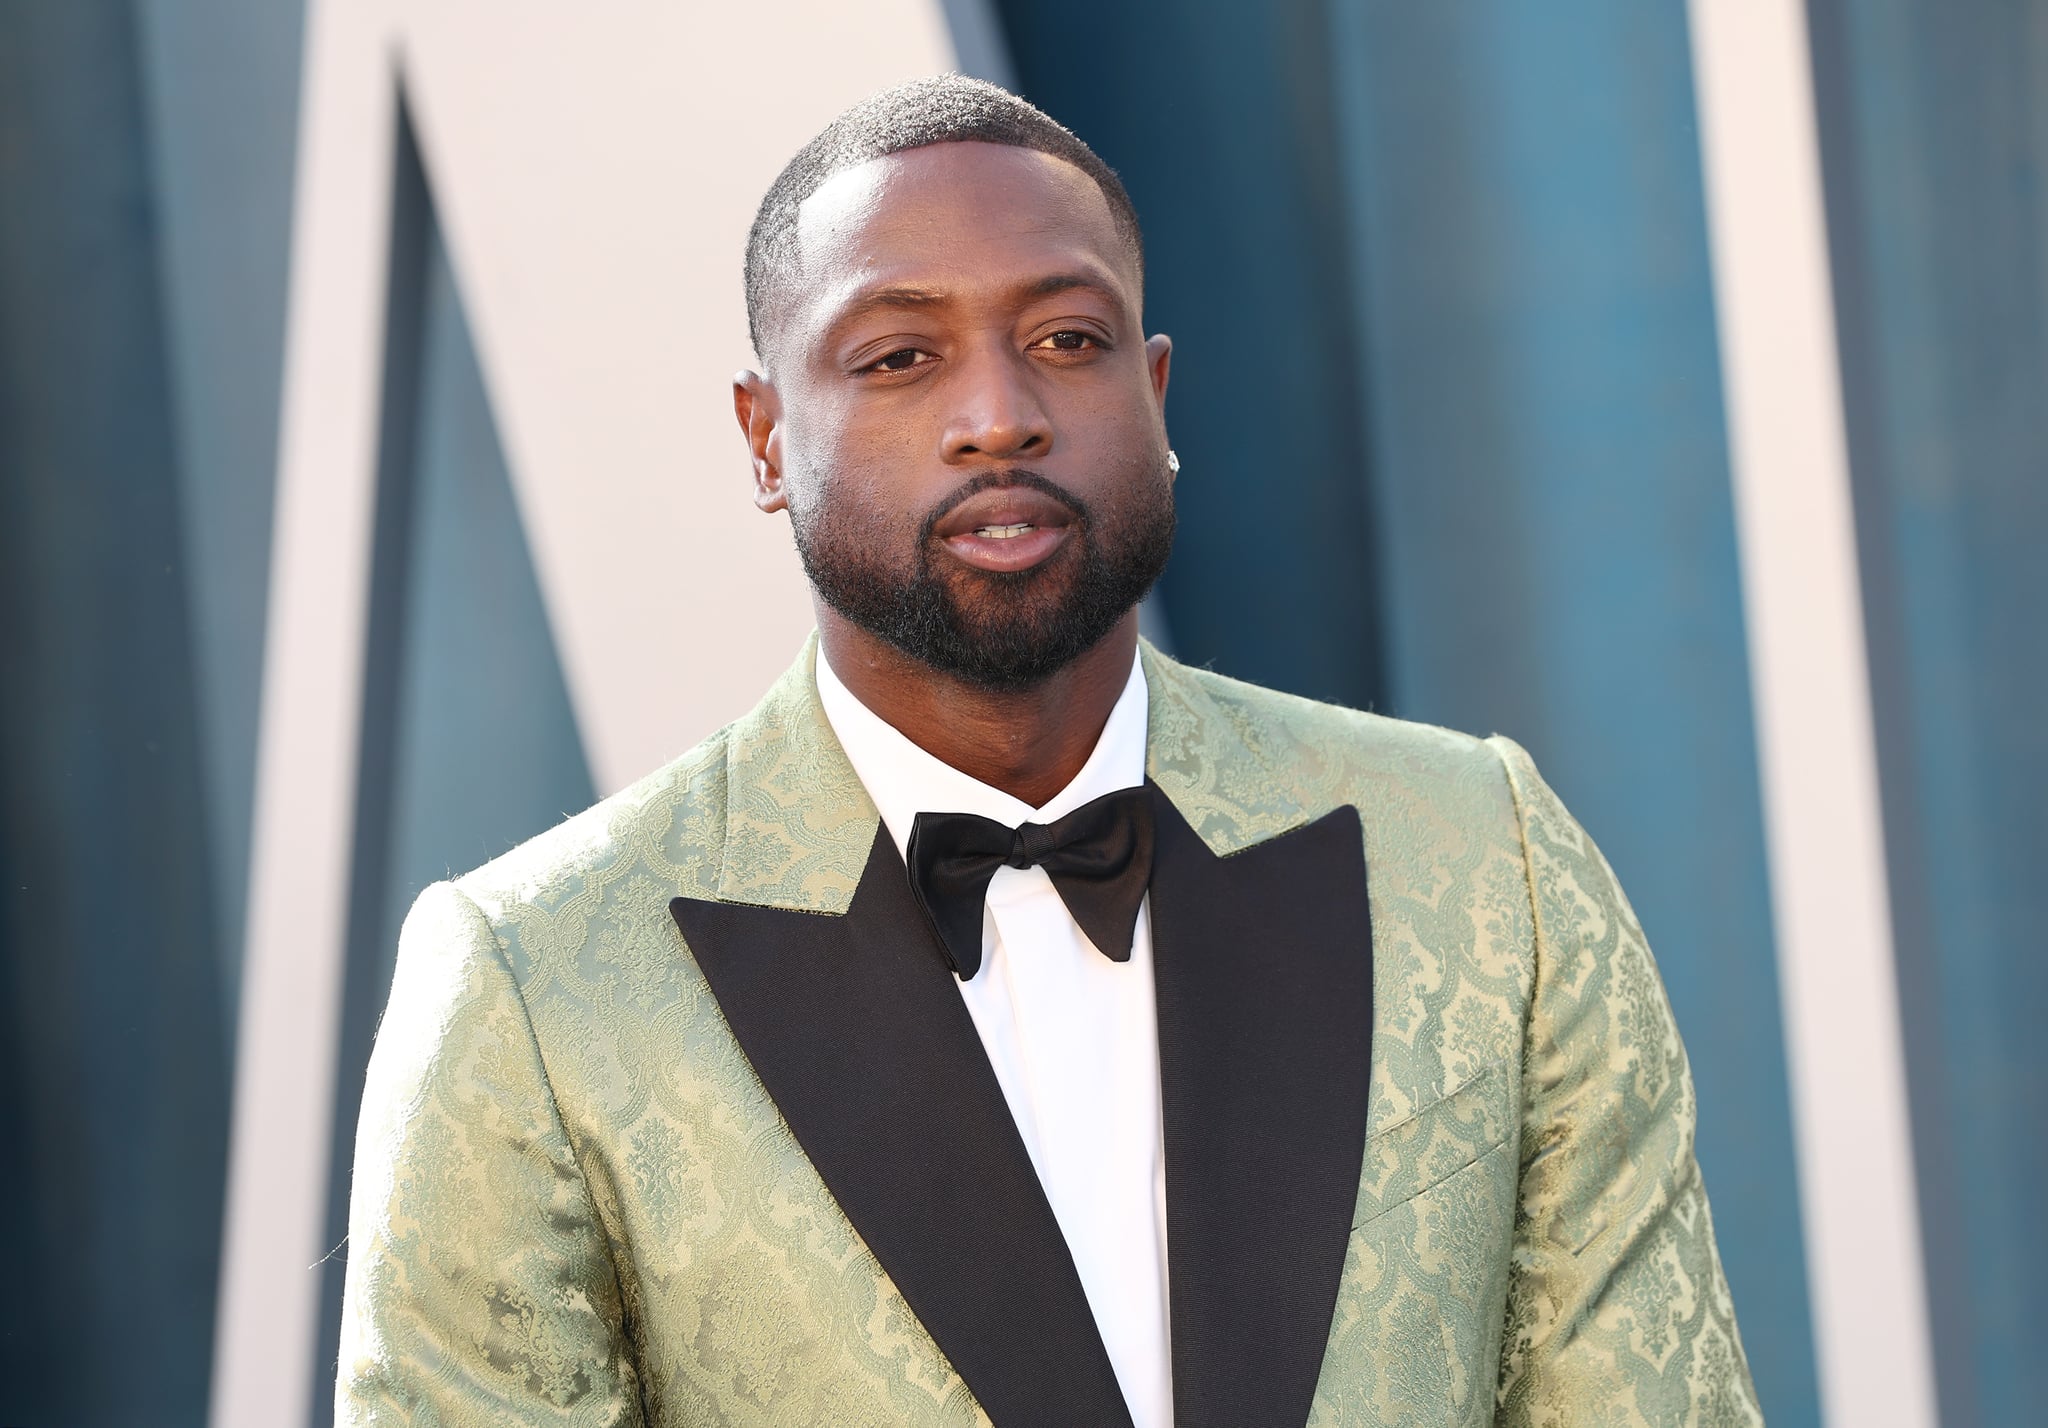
{"x":1003,"y":1022}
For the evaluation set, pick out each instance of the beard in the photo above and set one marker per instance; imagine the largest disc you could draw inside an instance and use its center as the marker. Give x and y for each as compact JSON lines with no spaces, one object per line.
{"x":1002,"y":631}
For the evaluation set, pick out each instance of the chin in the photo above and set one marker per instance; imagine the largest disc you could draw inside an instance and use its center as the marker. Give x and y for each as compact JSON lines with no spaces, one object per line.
{"x":1010,"y":606}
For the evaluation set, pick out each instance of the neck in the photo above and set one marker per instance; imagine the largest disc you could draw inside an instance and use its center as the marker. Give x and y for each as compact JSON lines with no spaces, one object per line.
{"x":1029,"y":743}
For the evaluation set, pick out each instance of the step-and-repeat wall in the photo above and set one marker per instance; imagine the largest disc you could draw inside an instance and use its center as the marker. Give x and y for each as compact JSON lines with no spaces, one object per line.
{"x":1661,"y":385}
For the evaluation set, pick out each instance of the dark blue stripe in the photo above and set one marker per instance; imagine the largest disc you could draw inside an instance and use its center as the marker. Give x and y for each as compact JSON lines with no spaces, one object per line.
{"x":113,"y":1081}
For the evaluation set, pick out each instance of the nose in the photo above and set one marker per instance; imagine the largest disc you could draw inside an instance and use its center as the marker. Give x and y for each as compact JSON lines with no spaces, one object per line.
{"x":997,"y":411}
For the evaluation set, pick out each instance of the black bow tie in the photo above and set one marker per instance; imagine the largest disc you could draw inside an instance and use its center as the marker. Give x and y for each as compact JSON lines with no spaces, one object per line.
{"x":1099,"y":858}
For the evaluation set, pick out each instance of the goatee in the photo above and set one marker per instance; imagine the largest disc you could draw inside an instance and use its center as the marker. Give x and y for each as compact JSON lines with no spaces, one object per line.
{"x":1002,"y":631}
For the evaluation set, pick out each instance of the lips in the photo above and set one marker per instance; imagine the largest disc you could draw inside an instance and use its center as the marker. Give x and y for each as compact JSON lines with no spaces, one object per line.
{"x":1006,"y":528}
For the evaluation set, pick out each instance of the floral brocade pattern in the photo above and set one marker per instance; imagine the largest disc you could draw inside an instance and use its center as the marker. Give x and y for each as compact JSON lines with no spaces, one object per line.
{"x":574,"y":1203}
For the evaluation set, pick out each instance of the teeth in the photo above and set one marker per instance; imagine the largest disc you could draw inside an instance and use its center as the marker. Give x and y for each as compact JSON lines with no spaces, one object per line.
{"x":1004,"y":532}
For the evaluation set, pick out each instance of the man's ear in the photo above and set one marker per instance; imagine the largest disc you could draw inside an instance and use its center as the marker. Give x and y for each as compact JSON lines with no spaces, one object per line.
{"x":1159,"y":358}
{"x":759,"y":408}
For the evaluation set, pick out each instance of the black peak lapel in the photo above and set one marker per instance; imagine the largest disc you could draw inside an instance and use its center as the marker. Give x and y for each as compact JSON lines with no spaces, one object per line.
{"x":857,"y":1029}
{"x":1264,"y":968}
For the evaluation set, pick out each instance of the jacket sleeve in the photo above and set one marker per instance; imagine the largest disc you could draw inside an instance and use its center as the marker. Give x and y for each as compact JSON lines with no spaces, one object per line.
{"x":480,"y":1289}
{"x":1617,"y":1311}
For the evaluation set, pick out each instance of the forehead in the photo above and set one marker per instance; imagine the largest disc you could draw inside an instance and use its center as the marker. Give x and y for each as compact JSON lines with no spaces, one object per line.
{"x":961,"y":218}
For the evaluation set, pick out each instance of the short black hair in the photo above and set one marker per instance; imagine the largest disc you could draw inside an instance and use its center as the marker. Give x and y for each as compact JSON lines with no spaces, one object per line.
{"x":944,"y":109}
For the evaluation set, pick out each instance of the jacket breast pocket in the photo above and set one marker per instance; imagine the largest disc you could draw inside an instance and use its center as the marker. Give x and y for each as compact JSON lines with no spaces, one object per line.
{"x":1420,"y":1151}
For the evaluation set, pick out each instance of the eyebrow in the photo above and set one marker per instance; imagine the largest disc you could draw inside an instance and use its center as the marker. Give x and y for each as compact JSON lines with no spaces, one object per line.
{"x":1055,"y":283}
{"x":919,"y":299}
{"x":897,"y":296}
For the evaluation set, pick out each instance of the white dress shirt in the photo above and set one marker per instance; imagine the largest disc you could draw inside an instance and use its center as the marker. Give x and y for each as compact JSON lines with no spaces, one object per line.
{"x":1073,"y":1036}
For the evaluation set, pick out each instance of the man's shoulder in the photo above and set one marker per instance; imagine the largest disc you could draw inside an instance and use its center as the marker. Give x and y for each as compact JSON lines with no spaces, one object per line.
{"x":1256,"y":748}
{"x":1313,"y":721}
{"x":670,"y":822}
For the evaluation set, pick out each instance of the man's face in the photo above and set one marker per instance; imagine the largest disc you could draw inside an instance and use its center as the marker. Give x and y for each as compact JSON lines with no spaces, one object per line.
{"x":965,"y":417}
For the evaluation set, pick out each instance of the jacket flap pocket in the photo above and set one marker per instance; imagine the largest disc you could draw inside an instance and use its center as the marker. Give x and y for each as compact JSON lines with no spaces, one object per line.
{"x":1421,"y":1150}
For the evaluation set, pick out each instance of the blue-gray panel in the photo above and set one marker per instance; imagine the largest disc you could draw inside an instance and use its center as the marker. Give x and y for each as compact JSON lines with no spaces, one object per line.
{"x":489,"y":753}
{"x":1218,"y":116}
{"x":1552,"y":493}
{"x":221,"y":83}
{"x":470,"y":745}
{"x":1934,"y":122}
{"x":113,"y":1083}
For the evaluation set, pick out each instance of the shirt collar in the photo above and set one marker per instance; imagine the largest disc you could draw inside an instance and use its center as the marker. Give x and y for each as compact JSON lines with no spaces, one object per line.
{"x":905,"y":781}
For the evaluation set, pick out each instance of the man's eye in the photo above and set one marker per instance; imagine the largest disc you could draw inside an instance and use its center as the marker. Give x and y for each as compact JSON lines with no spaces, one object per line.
{"x":1070,"y":340}
{"x":901,"y":360}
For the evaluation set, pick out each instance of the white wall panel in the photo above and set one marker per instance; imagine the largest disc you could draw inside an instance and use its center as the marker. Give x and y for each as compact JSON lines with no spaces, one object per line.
{"x":1803,"y":602}
{"x":597,"y":210}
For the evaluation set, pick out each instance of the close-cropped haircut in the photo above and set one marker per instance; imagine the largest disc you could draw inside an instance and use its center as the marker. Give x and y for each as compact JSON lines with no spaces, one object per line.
{"x":945,"y":109}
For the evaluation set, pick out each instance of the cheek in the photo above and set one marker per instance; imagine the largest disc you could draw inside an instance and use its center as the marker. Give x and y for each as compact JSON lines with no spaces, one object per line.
{"x":848,"y":491}
{"x":1118,"y":451}
{"x":1120,"y":416}
{"x":899,"y":436}
{"x":852,"y":438}
{"x":882,"y":460}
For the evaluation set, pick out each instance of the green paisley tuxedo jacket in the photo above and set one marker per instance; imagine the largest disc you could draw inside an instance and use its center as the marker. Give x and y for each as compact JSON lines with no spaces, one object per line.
{"x":676,"y":1117}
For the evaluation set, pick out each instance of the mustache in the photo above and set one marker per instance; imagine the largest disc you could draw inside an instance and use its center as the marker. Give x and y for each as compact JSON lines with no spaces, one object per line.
{"x":1000,"y":480}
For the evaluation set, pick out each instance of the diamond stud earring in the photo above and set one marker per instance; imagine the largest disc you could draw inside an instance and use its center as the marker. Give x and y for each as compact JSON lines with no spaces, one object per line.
{"x":1172,"y":461}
